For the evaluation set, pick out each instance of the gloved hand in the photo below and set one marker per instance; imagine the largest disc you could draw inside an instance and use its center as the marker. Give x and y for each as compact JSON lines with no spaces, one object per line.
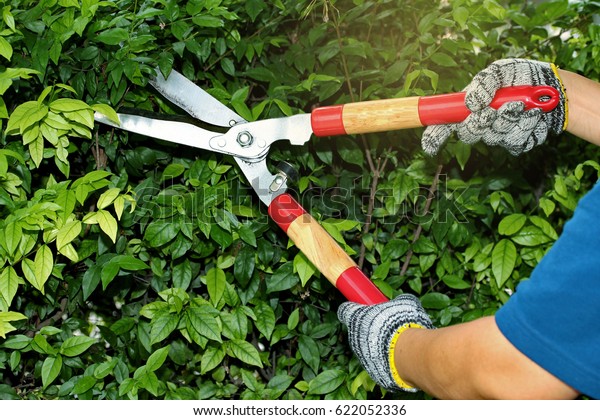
{"x":510,"y":126}
{"x":373,"y":331}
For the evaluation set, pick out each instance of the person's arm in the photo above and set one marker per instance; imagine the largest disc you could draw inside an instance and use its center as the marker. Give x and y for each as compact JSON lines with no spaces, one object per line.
{"x":398,"y":346}
{"x":584,"y":106}
{"x":473,"y":361}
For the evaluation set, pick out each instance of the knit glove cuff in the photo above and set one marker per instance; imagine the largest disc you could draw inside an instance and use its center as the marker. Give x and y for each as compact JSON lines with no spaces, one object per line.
{"x":374,"y":330}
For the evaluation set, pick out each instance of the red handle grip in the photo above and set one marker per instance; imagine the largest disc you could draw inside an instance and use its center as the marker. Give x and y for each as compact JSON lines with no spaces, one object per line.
{"x":451,"y":108}
{"x":322,"y":250}
{"x":412,"y":112}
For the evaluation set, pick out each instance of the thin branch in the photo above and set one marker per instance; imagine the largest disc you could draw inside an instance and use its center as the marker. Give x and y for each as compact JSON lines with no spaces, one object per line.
{"x":376,"y":175}
{"x":432,"y":191}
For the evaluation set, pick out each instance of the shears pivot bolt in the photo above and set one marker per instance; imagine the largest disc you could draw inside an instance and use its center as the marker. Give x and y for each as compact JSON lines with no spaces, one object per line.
{"x":244,"y":139}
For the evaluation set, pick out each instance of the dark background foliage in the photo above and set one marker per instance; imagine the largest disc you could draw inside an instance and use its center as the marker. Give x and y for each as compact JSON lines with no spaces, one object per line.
{"x":132,"y":268}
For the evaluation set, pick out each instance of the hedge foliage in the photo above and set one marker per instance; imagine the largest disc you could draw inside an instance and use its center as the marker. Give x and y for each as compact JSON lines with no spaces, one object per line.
{"x":131,"y":268}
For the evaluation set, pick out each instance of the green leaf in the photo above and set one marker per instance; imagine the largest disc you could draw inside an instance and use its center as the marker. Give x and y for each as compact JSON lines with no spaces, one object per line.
{"x":27,"y":114}
{"x":157,"y":359}
{"x":17,"y":342}
{"x":455,"y":282}
{"x":159,"y":233}
{"x":123,"y":325}
{"x":203,"y":320}
{"x":435,"y":300}
{"x":228,"y":66}
{"x":254,"y":8}
{"x":6,"y":49}
{"x":83,"y":385}
{"x":108,"y":273}
{"x":531,"y":236}
{"x":245,"y":352}
{"x":51,"y":369}
{"x":247,"y":235}
{"x":182,"y":275}
{"x":283,"y":279}
{"x":12,"y":236}
{"x":207,"y":21}
{"x":108,"y":224}
{"x":244,"y":265}
{"x":126,"y":386}
{"x":304,"y":268}
{"x":545,"y":226}
{"x":462,"y":151}
{"x":461,"y":15}
{"x":108,"y":197}
{"x":40,"y":345}
{"x":153,"y":309}
{"x":547,"y":205}
{"x":494,"y":9}
{"x":67,"y":105}
{"x":68,"y":233}
{"x":172,"y":171}
{"x":504,"y":258}
{"x":424,"y":245}
{"x":162,"y":327}
{"x":350,"y":152}
{"x":74,"y":346}
{"x":211,"y":358}
{"x":235,"y":324}
{"x":113,"y":36}
{"x":326,"y":382}
{"x":511,"y":224}
{"x":215,"y":282}
{"x":309,"y":350}
{"x":36,"y":150}
{"x":108,"y":112}
{"x":42,"y":267}
{"x":105,"y":368}
{"x":7,"y":393}
{"x":9,"y":283}
{"x":6,"y":318}
{"x":49,"y":330}
{"x":129,"y":263}
{"x":443,"y":60}
{"x":293,"y":319}
{"x":395,"y":249}
{"x":265,"y":319}
{"x":280,"y":383}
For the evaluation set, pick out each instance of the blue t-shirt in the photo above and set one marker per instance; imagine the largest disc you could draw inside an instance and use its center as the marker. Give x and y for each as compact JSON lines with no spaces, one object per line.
{"x":554,"y":317}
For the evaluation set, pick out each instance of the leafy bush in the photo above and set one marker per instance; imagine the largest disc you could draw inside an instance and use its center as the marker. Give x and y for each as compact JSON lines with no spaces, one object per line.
{"x":135,"y":269}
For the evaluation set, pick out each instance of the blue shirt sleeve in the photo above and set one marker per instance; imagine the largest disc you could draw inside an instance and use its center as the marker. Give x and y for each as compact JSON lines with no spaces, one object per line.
{"x":554,"y":317}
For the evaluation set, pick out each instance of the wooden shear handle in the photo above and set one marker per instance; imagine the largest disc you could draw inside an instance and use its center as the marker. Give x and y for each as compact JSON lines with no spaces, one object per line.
{"x":323,"y":251}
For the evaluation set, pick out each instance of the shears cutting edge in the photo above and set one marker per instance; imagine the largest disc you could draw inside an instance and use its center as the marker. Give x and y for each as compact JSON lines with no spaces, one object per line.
{"x":249,"y":143}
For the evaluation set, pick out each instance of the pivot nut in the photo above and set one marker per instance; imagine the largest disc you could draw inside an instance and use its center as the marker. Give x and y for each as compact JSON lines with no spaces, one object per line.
{"x":244,"y":139}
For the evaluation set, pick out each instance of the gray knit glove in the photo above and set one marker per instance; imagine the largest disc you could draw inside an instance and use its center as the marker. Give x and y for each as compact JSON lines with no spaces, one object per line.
{"x":373,"y":331}
{"x":510,"y":126}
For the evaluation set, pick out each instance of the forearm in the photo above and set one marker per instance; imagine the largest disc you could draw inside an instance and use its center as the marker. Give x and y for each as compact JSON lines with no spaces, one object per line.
{"x":584,"y":106}
{"x":472,"y":361}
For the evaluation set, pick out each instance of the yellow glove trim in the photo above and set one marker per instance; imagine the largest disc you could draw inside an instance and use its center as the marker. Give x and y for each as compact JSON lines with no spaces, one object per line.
{"x":564,"y":92}
{"x":395,"y":373}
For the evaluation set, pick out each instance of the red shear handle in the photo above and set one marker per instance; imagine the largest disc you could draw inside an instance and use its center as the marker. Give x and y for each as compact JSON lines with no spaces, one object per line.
{"x":412,"y":112}
{"x":322,"y":250}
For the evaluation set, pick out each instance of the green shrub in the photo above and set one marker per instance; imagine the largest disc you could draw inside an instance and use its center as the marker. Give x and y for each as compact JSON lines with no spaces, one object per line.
{"x":135,"y":269}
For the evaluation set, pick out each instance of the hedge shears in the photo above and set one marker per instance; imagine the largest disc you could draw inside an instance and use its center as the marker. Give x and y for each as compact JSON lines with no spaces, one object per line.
{"x":249,"y":143}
